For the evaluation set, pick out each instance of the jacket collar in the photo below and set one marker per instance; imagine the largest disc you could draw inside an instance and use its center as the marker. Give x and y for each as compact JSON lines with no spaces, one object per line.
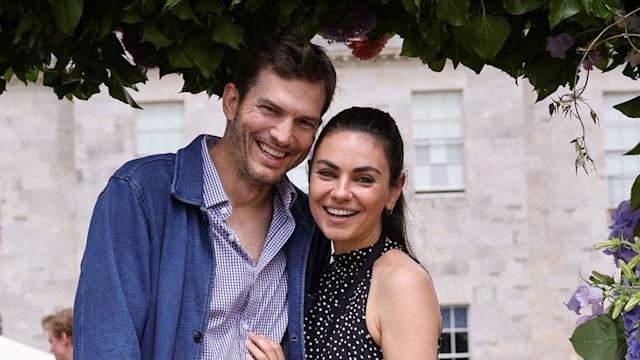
{"x":187,"y":184}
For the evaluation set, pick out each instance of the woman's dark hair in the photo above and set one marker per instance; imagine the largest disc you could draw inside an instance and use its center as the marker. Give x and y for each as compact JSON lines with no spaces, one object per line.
{"x":381,"y":126}
{"x":290,"y":56}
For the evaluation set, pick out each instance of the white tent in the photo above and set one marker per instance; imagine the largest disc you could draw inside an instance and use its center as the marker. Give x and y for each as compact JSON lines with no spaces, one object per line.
{"x":13,"y":350}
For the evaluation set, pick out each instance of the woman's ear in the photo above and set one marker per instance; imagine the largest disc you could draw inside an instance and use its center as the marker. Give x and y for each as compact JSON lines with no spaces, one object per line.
{"x":396,"y":191}
{"x":230,"y":101}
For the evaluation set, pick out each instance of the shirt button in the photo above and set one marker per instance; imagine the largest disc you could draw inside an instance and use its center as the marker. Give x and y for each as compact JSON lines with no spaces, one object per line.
{"x":197,"y":336}
{"x":245,"y":326}
{"x":224,"y":211}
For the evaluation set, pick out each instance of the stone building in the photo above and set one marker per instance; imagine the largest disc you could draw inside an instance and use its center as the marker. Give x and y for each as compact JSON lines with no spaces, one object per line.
{"x":498,"y":213}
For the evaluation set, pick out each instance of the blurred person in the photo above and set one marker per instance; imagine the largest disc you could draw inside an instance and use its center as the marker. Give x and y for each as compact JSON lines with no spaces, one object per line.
{"x":59,"y":328}
{"x":374,"y":300}
{"x":187,"y":253}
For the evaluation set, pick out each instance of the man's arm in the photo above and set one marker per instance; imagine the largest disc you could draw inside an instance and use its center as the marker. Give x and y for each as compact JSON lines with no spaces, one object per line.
{"x":112,"y":299}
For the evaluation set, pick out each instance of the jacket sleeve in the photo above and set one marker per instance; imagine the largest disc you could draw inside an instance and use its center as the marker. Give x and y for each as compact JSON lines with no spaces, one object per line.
{"x":113,"y":294}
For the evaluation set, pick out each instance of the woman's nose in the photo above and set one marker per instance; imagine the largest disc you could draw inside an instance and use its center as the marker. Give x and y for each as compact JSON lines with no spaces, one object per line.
{"x":342,"y":190}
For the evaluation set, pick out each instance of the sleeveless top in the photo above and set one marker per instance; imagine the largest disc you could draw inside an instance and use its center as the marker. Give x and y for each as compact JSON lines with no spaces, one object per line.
{"x":335,"y":333}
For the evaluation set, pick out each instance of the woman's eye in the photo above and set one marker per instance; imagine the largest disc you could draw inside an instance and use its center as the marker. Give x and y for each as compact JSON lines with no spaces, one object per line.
{"x":325,"y":173}
{"x":365,"y":179}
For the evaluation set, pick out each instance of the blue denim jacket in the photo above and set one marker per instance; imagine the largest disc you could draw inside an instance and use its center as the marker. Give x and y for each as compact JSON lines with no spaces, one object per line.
{"x":146,"y":274}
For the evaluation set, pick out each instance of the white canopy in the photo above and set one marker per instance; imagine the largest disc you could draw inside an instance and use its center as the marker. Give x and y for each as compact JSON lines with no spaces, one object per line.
{"x":13,"y":350}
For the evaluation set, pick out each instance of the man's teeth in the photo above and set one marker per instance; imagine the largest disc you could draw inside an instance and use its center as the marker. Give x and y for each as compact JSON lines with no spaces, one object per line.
{"x":271,"y":151}
{"x":340,"y":212}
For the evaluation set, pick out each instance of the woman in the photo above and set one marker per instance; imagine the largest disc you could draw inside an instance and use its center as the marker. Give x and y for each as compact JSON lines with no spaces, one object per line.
{"x":374,"y":300}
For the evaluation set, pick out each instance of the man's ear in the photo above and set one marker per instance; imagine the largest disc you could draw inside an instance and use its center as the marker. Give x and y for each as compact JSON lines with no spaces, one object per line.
{"x":65,"y":339}
{"x":230,"y":101}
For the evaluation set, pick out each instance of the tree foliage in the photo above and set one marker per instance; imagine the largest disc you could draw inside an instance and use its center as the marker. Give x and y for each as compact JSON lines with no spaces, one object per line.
{"x":77,"y":45}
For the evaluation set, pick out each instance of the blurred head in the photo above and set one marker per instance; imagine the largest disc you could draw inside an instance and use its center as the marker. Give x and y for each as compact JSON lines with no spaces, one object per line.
{"x":368,"y":143}
{"x":290,"y":56}
{"x":59,"y":328}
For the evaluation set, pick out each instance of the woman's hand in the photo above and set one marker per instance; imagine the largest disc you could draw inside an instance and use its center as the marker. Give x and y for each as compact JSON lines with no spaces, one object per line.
{"x":263,"y":348}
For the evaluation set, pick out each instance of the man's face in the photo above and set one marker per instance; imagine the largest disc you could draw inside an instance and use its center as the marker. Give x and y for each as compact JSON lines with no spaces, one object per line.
{"x":273,"y":128}
{"x":61,"y":348}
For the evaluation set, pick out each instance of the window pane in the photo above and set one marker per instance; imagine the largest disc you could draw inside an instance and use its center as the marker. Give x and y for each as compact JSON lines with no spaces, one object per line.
{"x":438,"y":139}
{"x":423,"y":156}
{"x":439,"y":176}
{"x":422,"y":177}
{"x":454,"y":153}
{"x":159,"y":128}
{"x":455,"y":176}
{"x":446,"y":321}
{"x":620,"y":135}
{"x":460,"y":315}
{"x":438,"y":154}
{"x":462,"y":342}
{"x":445,"y":347}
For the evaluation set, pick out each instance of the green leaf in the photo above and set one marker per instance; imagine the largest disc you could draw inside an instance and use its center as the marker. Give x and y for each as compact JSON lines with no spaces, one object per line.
{"x":208,"y":6}
{"x":117,"y":91}
{"x":519,"y":7}
{"x":562,"y":9}
{"x":599,"y":338}
{"x":227,"y":32}
{"x":26,"y":23}
{"x":184,"y":11}
{"x":599,"y":8}
{"x":635,"y":196}
{"x":179,"y":58}
{"x":151,"y":34}
{"x":252,"y":5}
{"x":631,"y":108}
{"x":634,"y":151}
{"x":486,"y":34}
{"x":206,"y":55}
{"x":170,"y":4}
{"x":454,"y":11}
{"x":66,"y":14}
{"x":131,"y":17}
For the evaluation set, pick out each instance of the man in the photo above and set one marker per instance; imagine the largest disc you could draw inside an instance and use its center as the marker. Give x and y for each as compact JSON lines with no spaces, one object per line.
{"x":59,"y":328}
{"x":189,"y":253}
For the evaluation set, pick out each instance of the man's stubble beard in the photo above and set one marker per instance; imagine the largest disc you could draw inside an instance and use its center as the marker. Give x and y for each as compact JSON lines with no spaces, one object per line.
{"x":238,"y":137}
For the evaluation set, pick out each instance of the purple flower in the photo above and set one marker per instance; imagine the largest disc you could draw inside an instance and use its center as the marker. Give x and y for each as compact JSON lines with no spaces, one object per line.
{"x":624,"y":221}
{"x":633,"y":346}
{"x":596,"y":309}
{"x":584,"y":296}
{"x":631,"y":319}
{"x":558,"y":45}
{"x":359,"y":20}
{"x":593,"y":58}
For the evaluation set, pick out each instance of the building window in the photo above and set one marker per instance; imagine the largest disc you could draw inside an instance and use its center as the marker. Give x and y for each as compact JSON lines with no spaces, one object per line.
{"x":621,"y":134}
{"x":455,"y":334}
{"x":159,"y":128}
{"x":437,"y":137}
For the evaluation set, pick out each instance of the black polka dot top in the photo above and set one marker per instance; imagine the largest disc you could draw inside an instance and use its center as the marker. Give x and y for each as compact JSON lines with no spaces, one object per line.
{"x":333,"y":333}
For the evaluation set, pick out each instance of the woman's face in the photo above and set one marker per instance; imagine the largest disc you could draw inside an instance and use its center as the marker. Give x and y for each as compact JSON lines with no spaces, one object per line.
{"x":349,"y":189}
